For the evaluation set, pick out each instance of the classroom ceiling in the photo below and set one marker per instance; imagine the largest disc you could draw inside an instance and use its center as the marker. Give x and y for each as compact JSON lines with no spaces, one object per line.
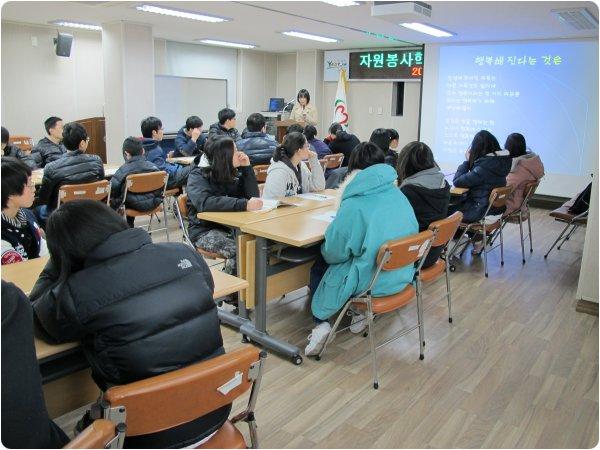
{"x":260,"y":22}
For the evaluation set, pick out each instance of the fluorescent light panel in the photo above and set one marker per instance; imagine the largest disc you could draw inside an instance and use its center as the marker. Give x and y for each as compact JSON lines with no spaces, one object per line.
{"x":427,"y":29}
{"x":227,"y":44}
{"x":83,"y":26}
{"x":341,"y":3}
{"x":179,"y":13}
{"x":312,"y":37}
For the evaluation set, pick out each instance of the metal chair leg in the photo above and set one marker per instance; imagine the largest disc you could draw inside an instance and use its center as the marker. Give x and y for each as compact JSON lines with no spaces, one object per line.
{"x":501,"y":247}
{"x":372,"y":343}
{"x":150,"y":223}
{"x":333,"y":330}
{"x":521,"y":230}
{"x":448,"y":292}
{"x":420,"y":322}
{"x":568,"y":236}
{"x":166,"y":224}
{"x":557,"y":239}
{"x":530,"y":235}
{"x":485,"y":262}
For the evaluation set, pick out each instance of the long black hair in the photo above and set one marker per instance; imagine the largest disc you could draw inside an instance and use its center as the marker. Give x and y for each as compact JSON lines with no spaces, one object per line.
{"x":219,"y":153}
{"x":290,"y":146}
{"x":75,"y":229}
{"x":413,"y":158}
{"x":365,"y":154}
{"x":516,"y":145}
{"x":483,"y":143}
{"x":381,"y":137}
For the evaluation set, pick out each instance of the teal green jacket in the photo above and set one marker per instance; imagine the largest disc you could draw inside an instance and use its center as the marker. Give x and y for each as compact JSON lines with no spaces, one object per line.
{"x":372,"y":211}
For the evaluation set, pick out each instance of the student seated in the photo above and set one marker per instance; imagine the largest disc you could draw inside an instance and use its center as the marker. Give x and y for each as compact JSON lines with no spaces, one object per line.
{"x":288,"y":174}
{"x":135,"y":320}
{"x":75,"y":168}
{"x":423,"y":183}
{"x":372,"y":211}
{"x":152,"y":131}
{"x":189,"y":140}
{"x":226,"y":182}
{"x":33,"y":161}
{"x":255,"y":141}
{"x":526,"y":167}
{"x":485,"y":168}
{"x":135,"y":162}
{"x":50,"y":148}
{"x":22,"y":238}
{"x":316,"y":145}
{"x":294,"y":128}
{"x":225,"y":126}
{"x":394,"y":139}
{"x":339,"y":141}
{"x":25,"y":420}
{"x":381,"y":137}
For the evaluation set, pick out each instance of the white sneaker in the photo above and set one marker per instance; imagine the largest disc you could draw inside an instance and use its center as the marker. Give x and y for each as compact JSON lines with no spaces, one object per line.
{"x":317,"y":339}
{"x":358,"y":323}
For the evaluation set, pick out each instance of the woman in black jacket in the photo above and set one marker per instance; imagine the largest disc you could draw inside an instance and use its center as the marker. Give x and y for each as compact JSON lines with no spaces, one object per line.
{"x":340,"y":141}
{"x":421,"y":180}
{"x":223,"y":181}
{"x":135,"y":320}
{"x":381,"y":137}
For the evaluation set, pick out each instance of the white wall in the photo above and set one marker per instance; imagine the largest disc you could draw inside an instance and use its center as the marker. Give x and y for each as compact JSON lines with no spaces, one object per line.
{"x":375,"y":94}
{"x":37,"y":84}
{"x":257,"y":80}
{"x":587,"y":288}
{"x":286,"y":76}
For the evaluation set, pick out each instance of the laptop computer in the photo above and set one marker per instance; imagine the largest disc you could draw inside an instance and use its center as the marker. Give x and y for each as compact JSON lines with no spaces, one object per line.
{"x":276,"y":104}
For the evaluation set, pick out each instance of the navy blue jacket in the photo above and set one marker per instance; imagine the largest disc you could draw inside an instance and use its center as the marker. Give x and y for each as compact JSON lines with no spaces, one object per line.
{"x":184,"y":146}
{"x":488,"y":172}
{"x":343,"y":143}
{"x":140,"y":202}
{"x":258,"y":146}
{"x":178,"y":174}
{"x":320,"y":148}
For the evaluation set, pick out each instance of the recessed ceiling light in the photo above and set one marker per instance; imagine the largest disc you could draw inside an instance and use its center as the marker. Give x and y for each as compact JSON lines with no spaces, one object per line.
{"x":341,"y":3}
{"x":180,"y":13}
{"x":312,"y":37}
{"x":427,"y":29}
{"x":83,"y":26}
{"x":225,"y":43}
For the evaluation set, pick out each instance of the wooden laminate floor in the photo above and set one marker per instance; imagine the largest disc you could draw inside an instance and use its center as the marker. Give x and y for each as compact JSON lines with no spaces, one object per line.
{"x":518,"y":367}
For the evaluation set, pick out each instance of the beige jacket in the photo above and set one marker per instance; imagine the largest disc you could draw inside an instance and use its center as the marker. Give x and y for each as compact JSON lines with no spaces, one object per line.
{"x":310,"y":110}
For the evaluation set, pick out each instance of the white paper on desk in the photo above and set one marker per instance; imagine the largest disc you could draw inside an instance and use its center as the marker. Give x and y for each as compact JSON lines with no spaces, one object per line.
{"x":271,"y":204}
{"x":317,"y":197}
{"x":327,"y":217}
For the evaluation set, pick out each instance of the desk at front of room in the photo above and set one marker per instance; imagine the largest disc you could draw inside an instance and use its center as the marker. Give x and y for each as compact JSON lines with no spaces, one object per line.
{"x":65,"y":373}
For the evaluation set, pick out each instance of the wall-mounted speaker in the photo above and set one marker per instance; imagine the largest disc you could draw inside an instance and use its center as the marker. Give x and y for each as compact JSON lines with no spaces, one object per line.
{"x":63,"y":43}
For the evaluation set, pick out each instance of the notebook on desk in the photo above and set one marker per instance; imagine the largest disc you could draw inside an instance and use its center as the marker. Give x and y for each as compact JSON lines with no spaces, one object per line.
{"x":270,"y":205}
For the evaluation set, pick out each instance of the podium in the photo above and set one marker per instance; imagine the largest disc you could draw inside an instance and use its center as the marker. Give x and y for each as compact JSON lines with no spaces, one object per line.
{"x":282,"y":126}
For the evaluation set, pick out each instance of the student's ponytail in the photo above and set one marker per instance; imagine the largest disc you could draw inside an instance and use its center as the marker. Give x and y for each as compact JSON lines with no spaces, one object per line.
{"x":291,"y":144}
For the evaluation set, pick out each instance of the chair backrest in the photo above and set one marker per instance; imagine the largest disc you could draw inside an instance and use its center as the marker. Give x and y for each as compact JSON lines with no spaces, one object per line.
{"x":98,"y":190}
{"x":140,"y":183}
{"x":101,"y":433}
{"x":445,"y":229}
{"x":499,"y":196}
{"x":171,"y":399}
{"x":323,"y":163}
{"x":23,"y":142}
{"x":528,"y":191}
{"x":182,"y":203}
{"x":334,"y":161}
{"x":402,"y":252}
{"x":260,"y":172}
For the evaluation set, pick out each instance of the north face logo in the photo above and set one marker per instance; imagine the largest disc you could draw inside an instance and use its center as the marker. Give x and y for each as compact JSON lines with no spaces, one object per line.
{"x":184,"y":264}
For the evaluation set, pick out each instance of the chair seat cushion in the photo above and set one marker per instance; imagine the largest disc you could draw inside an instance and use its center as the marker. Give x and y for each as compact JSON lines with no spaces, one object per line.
{"x":172,"y":192}
{"x":228,"y":436}
{"x":564,"y":215}
{"x":135,"y":213}
{"x":391,"y":302}
{"x":477,"y":227}
{"x":434,"y":272}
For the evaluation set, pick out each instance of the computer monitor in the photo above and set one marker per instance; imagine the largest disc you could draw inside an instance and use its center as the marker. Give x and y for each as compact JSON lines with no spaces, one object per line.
{"x":276,"y":104}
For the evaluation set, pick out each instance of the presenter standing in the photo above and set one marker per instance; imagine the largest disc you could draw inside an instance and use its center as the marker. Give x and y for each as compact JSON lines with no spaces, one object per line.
{"x":303,"y":110}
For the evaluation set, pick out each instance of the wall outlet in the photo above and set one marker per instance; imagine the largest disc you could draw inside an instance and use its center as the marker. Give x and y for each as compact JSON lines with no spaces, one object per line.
{"x":34,"y":41}
{"x":380,"y":110}
{"x":370,"y":110}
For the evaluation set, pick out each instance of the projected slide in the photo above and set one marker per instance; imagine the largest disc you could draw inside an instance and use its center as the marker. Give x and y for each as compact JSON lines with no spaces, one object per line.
{"x":547,"y":91}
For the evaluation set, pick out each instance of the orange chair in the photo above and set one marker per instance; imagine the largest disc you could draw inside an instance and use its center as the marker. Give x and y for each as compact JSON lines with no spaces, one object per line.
{"x":260,"y":172}
{"x":522,"y":214}
{"x":98,"y":190}
{"x":141,"y":183}
{"x":485,"y":227}
{"x":23,"y":142}
{"x":334,"y":161}
{"x":323,"y":163}
{"x":443,"y":230}
{"x":563,"y":215}
{"x":392,"y":255}
{"x":171,"y":399}
{"x":101,"y":433}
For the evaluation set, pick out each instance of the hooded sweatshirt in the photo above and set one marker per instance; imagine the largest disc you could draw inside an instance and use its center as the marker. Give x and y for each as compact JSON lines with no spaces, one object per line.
{"x":429,"y":195}
{"x":372,"y":211}
{"x":488,"y":172}
{"x":525,"y":169}
{"x":282,"y":181}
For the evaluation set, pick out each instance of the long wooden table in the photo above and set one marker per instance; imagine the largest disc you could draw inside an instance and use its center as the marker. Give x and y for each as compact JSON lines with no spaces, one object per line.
{"x":38,"y":174}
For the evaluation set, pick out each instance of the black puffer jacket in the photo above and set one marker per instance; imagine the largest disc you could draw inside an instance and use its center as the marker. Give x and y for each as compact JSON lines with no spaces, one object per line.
{"x":205,"y":194}
{"x":216,"y":129}
{"x":139,"y":202}
{"x":75,"y":168}
{"x":488,"y":172}
{"x":343,"y":143}
{"x":33,"y":160}
{"x":49,"y":151}
{"x":258,"y":146}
